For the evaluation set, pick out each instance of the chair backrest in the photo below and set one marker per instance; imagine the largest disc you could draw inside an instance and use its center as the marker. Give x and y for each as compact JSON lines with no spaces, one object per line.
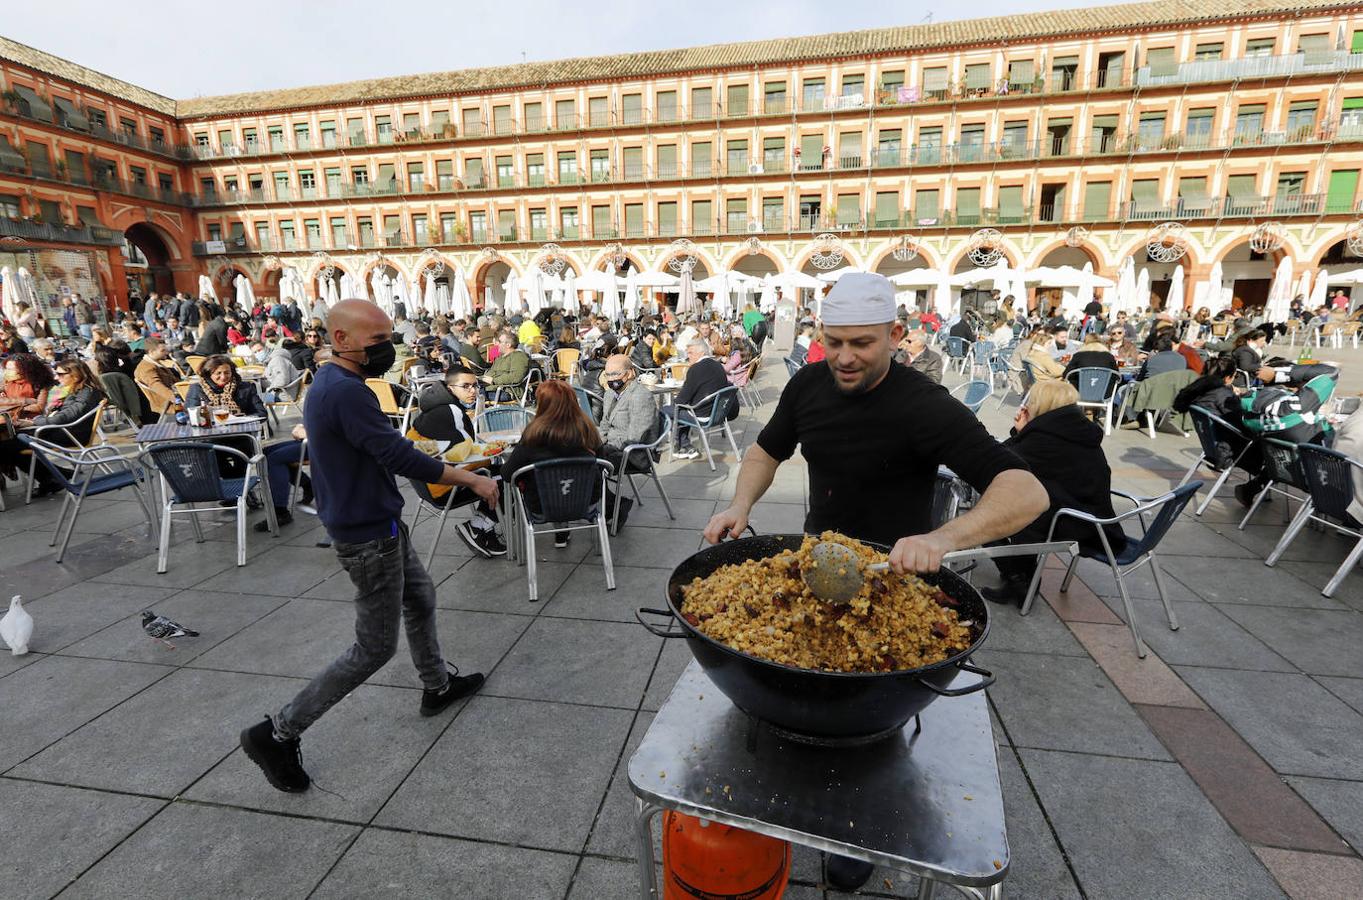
{"x":678,"y":371}
{"x":1028,"y":375}
{"x":1282,"y":462}
{"x":502,"y":418}
{"x":388,"y":400}
{"x":1329,"y":477}
{"x":791,"y":366}
{"x":946,"y":497}
{"x":584,"y":400}
{"x":409,"y":363}
{"x":720,"y":403}
{"x":956,"y":347}
{"x":1170,"y":507}
{"x":1216,"y":436}
{"x":564,"y":361}
{"x":194,"y":362}
{"x":982,"y":351}
{"x":973,"y":394}
{"x":1096,"y":384}
{"x":191,"y":469}
{"x":39,"y":450}
{"x":567,"y":489}
{"x":121,"y":389}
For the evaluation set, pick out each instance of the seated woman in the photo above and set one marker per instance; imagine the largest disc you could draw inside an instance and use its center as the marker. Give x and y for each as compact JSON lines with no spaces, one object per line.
{"x":737,"y":360}
{"x":1094,"y":354}
{"x":221,"y":387}
{"x":663,"y":348}
{"x":76,"y":395}
{"x":559,"y":430}
{"x":1249,"y":354}
{"x":1064,"y":451}
{"x":27,"y":377}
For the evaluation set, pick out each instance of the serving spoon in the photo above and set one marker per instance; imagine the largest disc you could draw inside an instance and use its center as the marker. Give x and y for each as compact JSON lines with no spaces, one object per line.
{"x":836,"y":572}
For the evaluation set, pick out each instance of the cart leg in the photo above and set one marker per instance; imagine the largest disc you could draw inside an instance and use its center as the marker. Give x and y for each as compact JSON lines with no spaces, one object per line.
{"x":643,"y":833}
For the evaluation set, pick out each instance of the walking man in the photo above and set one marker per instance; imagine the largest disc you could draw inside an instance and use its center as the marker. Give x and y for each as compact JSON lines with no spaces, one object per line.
{"x":355,"y":453}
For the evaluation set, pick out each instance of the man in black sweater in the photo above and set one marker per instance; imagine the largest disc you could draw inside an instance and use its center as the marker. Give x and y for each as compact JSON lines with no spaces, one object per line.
{"x":355,"y":453}
{"x":704,"y":377}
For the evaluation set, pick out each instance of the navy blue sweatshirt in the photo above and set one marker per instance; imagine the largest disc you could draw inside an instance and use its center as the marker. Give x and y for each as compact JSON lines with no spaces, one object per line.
{"x":355,"y":452}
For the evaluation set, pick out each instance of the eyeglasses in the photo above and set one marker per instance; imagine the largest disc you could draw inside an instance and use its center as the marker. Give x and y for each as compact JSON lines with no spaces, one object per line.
{"x":465,"y":387}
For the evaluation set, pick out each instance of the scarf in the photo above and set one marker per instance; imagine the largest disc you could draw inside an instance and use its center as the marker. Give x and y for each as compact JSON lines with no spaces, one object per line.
{"x":216,"y":397}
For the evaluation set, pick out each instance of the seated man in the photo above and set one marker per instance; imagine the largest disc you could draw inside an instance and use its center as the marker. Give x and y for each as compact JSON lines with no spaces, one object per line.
{"x":508,"y":370}
{"x":704,"y":378}
{"x":157,"y":375}
{"x":1164,"y":359}
{"x":444,"y":417}
{"x":629,"y":416}
{"x":915,"y":353}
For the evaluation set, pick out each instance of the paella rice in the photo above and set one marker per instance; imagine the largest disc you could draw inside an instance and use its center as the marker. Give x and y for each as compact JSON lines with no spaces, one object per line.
{"x":763,"y":607}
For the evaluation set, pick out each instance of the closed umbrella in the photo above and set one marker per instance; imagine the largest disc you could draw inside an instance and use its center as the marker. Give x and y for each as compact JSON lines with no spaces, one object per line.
{"x":206,"y":288}
{"x":8,"y":300}
{"x":1319,"y":290}
{"x":570,"y":297}
{"x":1304,"y":286}
{"x":534,"y":292}
{"x":242,"y":289}
{"x":350,"y":290}
{"x":1280,"y":291}
{"x":632,"y":302}
{"x":1143,"y":289}
{"x":511,"y":295}
{"x":610,"y":295}
{"x":942,"y":298}
{"x":1174,"y":302}
{"x":430,"y":300}
{"x":382,"y":288}
{"x":687,"y":301}
{"x":403,"y":293}
{"x":461,"y":301}
{"x":1213,"y":291}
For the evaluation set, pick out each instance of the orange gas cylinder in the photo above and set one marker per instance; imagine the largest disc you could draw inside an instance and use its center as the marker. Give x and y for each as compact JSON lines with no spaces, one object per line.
{"x":710,"y":861}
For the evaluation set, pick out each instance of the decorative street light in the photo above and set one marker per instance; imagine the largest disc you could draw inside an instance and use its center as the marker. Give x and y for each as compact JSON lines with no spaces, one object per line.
{"x":1354,"y":238}
{"x":905,"y":249}
{"x":1167,"y":242}
{"x":552,"y":260}
{"x":683,"y":256}
{"x":827,"y":251}
{"x":437,"y":264}
{"x":328,"y":265}
{"x":1267,"y":237}
{"x":1076,"y":236}
{"x":616,"y":254}
{"x":986,"y":247}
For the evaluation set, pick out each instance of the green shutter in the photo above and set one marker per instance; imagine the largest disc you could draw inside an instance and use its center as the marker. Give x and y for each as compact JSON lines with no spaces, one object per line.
{"x":849,"y":209}
{"x":1010,"y":204}
{"x":1241,"y":186}
{"x":927,"y":204}
{"x":1353,"y":103}
{"x":968,"y":204}
{"x":1145,"y":191}
{"x":887,"y":208}
{"x":1343,"y":187}
{"x":667,"y":218}
{"x":1357,"y":45}
{"x":1097,"y":200}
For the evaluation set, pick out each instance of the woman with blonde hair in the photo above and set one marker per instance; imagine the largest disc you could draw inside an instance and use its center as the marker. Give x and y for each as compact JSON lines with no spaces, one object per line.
{"x":1064,"y":450}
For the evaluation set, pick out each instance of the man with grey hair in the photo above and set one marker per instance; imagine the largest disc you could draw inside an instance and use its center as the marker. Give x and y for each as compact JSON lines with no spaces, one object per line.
{"x":915,"y":353}
{"x":704,"y":377}
{"x":628,"y":416}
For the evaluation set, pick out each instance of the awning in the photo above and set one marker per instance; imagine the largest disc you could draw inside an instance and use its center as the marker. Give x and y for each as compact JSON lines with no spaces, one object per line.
{"x":36,"y":105}
{"x":11,"y":157}
{"x":74,"y":117}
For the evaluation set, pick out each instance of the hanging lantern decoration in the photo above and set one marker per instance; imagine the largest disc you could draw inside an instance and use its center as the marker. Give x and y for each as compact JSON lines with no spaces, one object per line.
{"x":1354,"y":238}
{"x":827,"y":252}
{"x":1076,"y":236}
{"x":270,"y":263}
{"x":905,"y":248}
{"x":986,"y":247}
{"x":1167,"y":242}
{"x":552,"y":261}
{"x":754,"y":245}
{"x":437,"y":264}
{"x":327,"y":265}
{"x":616,"y":254}
{"x":1267,"y":237}
{"x":683,"y":256}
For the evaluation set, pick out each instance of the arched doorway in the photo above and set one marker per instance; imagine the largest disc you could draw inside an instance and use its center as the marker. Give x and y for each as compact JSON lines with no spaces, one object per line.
{"x":979,"y":296}
{"x":1051,"y":296}
{"x":491,"y":285}
{"x":146,"y":260}
{"x":1250,"y":274}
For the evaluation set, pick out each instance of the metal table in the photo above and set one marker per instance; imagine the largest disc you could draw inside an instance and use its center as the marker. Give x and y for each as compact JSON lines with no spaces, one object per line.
{"x":926,"y":802}
{"x":173,"y":431}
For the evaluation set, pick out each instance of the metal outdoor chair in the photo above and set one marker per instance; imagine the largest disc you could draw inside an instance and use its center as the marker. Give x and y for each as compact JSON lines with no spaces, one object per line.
{"x":1223,"y":446}
{"x":92,"y":418}
{"x":1165,"y":510}
{"x":748,"y":394}
{"x":431,"y":506}
{"x":592,"y":403}
{"x":957,"y":351}
{"x":1097,"y":388}
{"x":791,"y":366}
{"x":567,"y":491}
{"x":564,"y":362}
{"x":981,"y":352}
{"x":638,"y":459}
{"x":501,"y":418}
{"x":194,"y":362}
{"x":190,"y":475}
{"x":716,"y":419}
{"x":1283,"y":468}
{"x":94,"y":471}
{"x":1020,"y":380}
{"x":1330,"y":480}
{"x":290,"y":396}
{"x":973,"y":394}
{"x":519,"y":394}
{"x":389,"y":405}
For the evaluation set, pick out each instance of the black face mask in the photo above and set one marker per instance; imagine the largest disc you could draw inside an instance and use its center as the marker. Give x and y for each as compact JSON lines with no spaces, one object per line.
{"x":616,"y":384}
{"x":378,"y":358}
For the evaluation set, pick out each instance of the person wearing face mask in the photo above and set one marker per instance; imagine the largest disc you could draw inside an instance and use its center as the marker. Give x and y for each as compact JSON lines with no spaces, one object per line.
{"x":628,"y":416}
{"x":446,"y":416}
{"x":355,"y":453}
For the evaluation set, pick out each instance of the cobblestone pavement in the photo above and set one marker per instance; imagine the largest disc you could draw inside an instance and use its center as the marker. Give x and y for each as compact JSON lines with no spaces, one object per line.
{"x":1225,"y":765}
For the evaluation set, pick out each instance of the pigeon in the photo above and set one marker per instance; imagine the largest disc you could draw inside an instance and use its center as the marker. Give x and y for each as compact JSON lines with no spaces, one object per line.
{"x":162,"y":628}
{"x":16,"y":627}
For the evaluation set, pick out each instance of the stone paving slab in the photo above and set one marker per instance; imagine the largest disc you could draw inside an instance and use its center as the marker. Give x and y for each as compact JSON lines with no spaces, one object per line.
{"x":1207,"y":636}
{"x":1316,"y":641}
{"x":1139,"y":803}
{"x":1350,"y":690}
{"x":188,"y":848}
{"x":583,"y":596}
{"x":64,"y":617}
{"x":1310,"y":875}
{"x":1339,"y":802}
{"x":55,"y":832}
{"x":1146,"y":680}
{"x":570,"y":661}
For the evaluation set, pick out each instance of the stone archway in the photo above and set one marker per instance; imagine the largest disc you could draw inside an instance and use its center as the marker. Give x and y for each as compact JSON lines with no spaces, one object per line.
{"x":147,"y":259}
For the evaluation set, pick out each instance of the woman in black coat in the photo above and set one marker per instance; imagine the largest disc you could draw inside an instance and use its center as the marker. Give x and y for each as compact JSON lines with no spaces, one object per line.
{"x":1064,"y":450}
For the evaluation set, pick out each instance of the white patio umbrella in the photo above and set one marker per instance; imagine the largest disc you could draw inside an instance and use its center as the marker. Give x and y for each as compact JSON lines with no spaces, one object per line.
{"x":1143,"y":288}
{"x":942,"y":299}
{"x":1349,"y":276}
{"x":609,"y":286}
{"x":382,"y":287}
{"x":656,"y":279}
{"x":767,"y":301}
{"x":1126,"y":288}
{"x":534,"y":292}
{"x":8,"y":298}
{"x":687,"y":301}
{"x":489,"y":304}
{"x":1304,"y":285}
{"x":206,"y":288}
{"x":632,"y":302}
{"x":1212,"y":292}
{"x":833,"y":276}
{"x":461,"y":301}
{"x":1280,"y":291}
{"x":794,"y":281}
{"x":1319,"y":290}
{"x":571,"y":300}
{"x":350,"y":289}
{"x":430,"y":299}
{"x":1174,"y":302}
{"x":404,"y":293}
{"x":917,"y":278}
{"x":511,"y":295}
{"x":246,"y":297}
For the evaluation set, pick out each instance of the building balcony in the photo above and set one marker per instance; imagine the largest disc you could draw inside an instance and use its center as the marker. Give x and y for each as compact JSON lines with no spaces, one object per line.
{"x":1321,"y":62}
{"x":30,"y":230}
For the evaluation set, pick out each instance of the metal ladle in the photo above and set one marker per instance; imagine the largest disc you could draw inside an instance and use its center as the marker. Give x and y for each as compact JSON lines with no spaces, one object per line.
{"x":836,"y":572}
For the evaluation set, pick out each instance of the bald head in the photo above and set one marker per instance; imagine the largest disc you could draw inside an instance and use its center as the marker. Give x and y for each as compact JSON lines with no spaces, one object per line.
{"x":355,"y":325}
{"x":618,"y":367}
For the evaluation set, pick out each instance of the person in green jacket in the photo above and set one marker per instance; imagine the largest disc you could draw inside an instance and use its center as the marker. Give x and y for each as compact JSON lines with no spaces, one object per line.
{"x":751,"y":316}
{"x":508,"y":370}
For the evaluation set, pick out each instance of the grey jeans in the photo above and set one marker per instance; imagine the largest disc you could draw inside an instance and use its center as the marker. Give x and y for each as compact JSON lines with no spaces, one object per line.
{"x":390,"y":584}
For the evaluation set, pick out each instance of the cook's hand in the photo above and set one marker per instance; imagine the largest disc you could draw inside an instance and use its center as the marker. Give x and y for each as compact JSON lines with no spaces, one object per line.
{"x":730,"y":522}
{"x":919,"y":553}
{"x":1021,"y":418}
{"x":486,"y":488}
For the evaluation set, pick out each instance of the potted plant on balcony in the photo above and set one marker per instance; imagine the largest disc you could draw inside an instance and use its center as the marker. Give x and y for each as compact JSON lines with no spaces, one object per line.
{"x":11,"y":99}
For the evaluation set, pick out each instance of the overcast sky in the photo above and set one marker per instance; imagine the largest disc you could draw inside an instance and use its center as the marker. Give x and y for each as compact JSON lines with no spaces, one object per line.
{"x":185,"y":50}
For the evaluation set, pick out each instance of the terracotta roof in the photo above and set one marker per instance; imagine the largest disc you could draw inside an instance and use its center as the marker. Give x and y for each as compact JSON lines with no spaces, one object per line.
{"x":69,"y":71}
{"x":749,"y":53}
{"x":897,"y":39}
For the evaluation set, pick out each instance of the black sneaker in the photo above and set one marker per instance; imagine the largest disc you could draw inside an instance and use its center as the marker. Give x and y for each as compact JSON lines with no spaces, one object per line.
{"x":561,"y":539}
{"x":470,"y":537}
{"x":459,"y":686}
{"x":281,"y":761}
{"x":489,"y":542}
{"x":1245,"y":494}
{"x":282,"y":516}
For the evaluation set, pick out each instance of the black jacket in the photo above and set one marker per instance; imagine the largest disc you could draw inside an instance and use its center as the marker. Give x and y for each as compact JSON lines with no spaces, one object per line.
{"x":1091,"y":359}
{"x":642,"y":356}
{"x":213,"y":338}
{"x":1064,"y":450}
{"x":437,"y":419}
{"x":702,"y":380}
{"x":1246,"y":360}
